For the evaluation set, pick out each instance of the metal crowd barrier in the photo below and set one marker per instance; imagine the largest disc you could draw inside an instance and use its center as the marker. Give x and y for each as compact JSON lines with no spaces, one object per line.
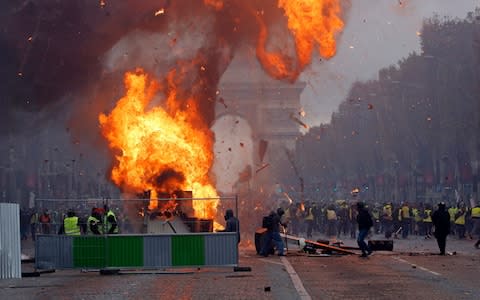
{"x":134,"y":251}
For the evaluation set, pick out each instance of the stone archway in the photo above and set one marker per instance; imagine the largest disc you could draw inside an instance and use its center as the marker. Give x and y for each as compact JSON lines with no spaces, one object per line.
{"x":270,"y":107}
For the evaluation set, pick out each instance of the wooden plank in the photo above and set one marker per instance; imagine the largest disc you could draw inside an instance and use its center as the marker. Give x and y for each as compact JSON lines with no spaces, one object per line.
{"x":318,"y":245}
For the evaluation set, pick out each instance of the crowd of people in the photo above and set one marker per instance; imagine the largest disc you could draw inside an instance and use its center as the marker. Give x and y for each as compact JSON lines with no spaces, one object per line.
{"x":99,"y":220}
{"x":341,"y":219}
{"x":336,"y":219}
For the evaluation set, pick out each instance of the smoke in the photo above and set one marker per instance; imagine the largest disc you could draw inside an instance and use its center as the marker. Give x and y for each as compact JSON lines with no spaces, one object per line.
{"x":55,"y":49}
{"x":169,"y":180}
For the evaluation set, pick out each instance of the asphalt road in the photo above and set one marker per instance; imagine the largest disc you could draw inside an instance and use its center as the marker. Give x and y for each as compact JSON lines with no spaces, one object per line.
{"x":411,"y":271}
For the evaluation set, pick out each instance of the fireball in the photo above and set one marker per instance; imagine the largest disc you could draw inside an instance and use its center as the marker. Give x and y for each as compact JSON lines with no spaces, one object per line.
{"x":157,"y":149}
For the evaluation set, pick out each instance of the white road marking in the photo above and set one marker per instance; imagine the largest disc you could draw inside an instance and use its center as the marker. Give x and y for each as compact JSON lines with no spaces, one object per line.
{"x":297,"y":282}
{"x":270,"y":261}
{"x":417,"y":266}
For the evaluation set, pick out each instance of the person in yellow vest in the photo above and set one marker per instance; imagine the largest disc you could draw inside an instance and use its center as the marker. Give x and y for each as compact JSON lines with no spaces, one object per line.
{"x":405,"y":220}
{"x":427,"y":221}
{"x":476,"y":223}
{"x":331,"y":221}
{"x":452,"y":211}
{"x":71,"y":224}
{"x":376,"y":218}
{"x":387,"y":220}
{"x":309,"y":219}
{"x":343,"y":221}
{"x":417,"y":220}
{"x":94,"y":223}
{"x":460,"y":222}
{"x":110,"y":221}
{"x":33,"y":224}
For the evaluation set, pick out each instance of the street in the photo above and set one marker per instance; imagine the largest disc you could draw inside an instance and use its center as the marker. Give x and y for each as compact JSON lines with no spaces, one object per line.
{"x":411,"y":271}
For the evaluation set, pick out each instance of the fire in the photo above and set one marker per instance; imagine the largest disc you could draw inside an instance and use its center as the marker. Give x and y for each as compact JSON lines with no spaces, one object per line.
{"x":160,"y":149}
{"x":216,"y":4}
{"x":313,"y":23}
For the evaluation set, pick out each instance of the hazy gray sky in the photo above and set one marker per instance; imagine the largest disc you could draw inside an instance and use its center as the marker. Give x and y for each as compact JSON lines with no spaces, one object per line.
{"x":378,"y":33}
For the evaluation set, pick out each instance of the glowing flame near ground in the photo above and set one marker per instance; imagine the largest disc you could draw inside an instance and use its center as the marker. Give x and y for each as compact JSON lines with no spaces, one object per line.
{"x":157,"y":149}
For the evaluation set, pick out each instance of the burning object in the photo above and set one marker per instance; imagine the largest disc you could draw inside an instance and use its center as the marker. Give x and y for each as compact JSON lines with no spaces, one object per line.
{"x":161,"y":150}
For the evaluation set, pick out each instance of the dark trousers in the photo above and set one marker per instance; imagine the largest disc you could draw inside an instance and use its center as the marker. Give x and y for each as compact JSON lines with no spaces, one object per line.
{"x":405,"y":228}
{"x":269,"y":239}
{"x":310,"y":226}
{"x":362,"y":234}
{"x":460,"y":229}
{"x":442,"y":242}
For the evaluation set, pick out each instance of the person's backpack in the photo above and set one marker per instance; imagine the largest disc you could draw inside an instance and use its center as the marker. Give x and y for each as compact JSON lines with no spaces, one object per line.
{"x":267,"y":222}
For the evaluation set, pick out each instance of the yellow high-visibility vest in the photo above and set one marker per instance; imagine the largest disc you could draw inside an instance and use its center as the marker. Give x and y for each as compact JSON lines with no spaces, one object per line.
{"x":416,"y":215}
{"x":96,"y":221}
{"x":70,"y":225}
{"x":460,"y":220}
{"x":405,"y":210}
{"x":428,"y":216}
{"x":331,"y":215}
{"x":452,"y":211}
{"x":310,"y":215}
{"x":476,"y":212}
{"x":109,"y":225}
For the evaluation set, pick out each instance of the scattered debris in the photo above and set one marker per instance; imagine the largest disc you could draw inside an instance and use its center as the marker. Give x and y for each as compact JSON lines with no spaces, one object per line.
{"x":242,"y":269}
{"x":262,"y":167}
{"x":317,"y":245}
{"x":221,"y":100}
{"x":161,"y":11}
{"x":293,"y":117}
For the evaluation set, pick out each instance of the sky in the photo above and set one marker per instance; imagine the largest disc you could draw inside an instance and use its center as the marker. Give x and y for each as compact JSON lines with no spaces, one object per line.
{"x":377,"y":34}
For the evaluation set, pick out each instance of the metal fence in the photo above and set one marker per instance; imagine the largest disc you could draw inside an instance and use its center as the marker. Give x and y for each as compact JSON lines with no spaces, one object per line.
{"x":10,"y":254}
{"x":133,"y":215}
{"x":174,"y":232}
{"x":126,"y":251}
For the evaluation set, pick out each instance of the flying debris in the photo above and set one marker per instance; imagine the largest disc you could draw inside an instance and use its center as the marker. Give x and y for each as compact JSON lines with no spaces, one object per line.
{"x":161,"y":11}
{"x":262,"y":167}
{"x":293,"y":117}
{"x":221,"y":100}
{"x":288,"y":197}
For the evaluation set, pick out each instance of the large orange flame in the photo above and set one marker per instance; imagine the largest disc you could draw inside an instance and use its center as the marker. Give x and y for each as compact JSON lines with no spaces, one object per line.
{"x":312,"y":23}
{"x":162,"y":150}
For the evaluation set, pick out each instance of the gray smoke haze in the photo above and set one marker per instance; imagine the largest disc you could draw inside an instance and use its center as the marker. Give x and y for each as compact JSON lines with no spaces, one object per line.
{"x":57,"y":56}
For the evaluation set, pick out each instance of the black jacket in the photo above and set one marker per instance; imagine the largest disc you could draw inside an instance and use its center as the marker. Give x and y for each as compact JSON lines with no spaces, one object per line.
{"x":441,"y":221}
{"x":364,"y":219}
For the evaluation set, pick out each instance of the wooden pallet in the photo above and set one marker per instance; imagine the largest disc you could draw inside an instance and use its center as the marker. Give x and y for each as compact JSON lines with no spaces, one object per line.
{"x":317,"y":244}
